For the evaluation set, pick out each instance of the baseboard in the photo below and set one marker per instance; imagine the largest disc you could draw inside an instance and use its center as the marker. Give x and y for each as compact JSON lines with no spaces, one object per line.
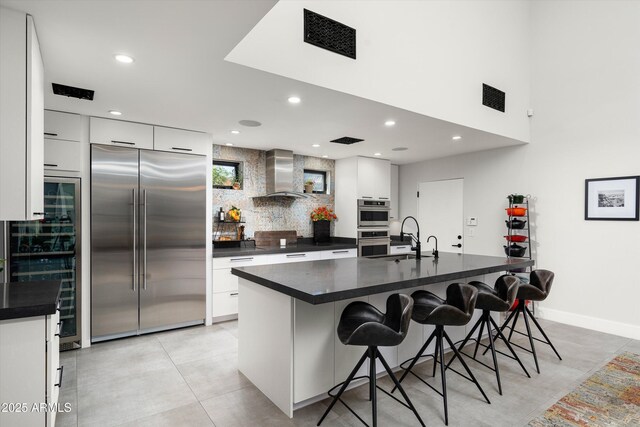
{"x":226,"y":318}
{"x":601,"y":325}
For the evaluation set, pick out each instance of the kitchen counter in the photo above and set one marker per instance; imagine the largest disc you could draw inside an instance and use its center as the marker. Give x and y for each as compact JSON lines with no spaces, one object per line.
{"x":303,"y":245}
{"x":28,"y":299}
{"x":318,"y":282}
{"x":287,"y":343}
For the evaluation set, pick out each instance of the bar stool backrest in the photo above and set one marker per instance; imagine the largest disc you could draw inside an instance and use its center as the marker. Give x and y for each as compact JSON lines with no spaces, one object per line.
{"x":507,"y":288}
{"x":463,"y":297}
{"x":398,"y":315}
{"x":542,"y":279}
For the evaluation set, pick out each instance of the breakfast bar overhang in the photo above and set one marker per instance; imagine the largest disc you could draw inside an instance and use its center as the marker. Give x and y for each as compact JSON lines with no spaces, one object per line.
{"x":287,"y":316}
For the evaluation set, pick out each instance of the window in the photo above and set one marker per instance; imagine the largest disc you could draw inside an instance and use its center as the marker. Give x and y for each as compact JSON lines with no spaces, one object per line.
{"x":319,"y":179}
{"x":226,"y":175}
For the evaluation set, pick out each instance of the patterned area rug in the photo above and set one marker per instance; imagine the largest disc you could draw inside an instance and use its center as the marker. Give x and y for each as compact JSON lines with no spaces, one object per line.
{"x":610,"y":397}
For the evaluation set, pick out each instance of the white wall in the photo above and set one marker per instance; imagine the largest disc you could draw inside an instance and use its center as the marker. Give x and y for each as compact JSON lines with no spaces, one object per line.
{"x":586,"y":93}
{"x":430,"y":57}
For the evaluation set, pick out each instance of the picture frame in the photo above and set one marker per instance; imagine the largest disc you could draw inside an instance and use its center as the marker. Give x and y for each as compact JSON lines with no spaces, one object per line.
{"x":612,"y":199}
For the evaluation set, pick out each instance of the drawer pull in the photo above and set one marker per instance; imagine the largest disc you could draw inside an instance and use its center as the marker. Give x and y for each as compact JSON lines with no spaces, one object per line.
{"x":57,"y":334}
{"x":384,"y":198}
{"x":61,"y":369}
{"x":39,"y":213}
{"x":340,"y":252}
{"x":401,"y":247}
{"x":367,"y":197}
{"x":50,"y":165}
{"x":233,"y":294}
{"x":181,"y":149}
{"x":51,"y":134}
{"x":296,"y":255}
{"x":123,"y":142}
{"x":249,"y":258}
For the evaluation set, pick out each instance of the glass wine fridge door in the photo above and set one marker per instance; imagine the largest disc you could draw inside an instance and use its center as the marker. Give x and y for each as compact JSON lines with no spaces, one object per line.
{"x":49,"y":249}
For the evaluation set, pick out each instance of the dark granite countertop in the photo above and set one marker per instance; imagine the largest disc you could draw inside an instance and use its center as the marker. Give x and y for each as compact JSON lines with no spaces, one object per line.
{"x":303,"y":245}
{"x":318,"y":282}
{"x":28,"y":299}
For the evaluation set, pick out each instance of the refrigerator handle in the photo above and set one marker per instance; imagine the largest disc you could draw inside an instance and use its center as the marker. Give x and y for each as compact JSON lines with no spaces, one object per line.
{"x":144,"y":239}
{"x":135,"y":263}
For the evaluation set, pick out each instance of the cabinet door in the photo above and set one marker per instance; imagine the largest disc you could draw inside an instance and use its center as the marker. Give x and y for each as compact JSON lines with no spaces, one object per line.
{"x":374,"y":176}
{"x":404,"y":249}
{"x":65,"y":126}
{"x":225,"y":303}
{"x":295,"y":257}
{"x":181,"y":141}
{"x":223,"y":280}
{"x":54,"y":371}
{"x":117,"y":132}
{"x":339,"y":253}
{"x":62,"y":155}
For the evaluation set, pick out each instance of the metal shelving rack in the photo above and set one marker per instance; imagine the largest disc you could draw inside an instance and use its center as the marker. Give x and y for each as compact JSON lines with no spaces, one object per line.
{"x":519,"y":232}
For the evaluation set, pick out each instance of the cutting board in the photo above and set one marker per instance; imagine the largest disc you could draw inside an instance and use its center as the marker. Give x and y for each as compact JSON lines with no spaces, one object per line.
{"x":272,"y":238}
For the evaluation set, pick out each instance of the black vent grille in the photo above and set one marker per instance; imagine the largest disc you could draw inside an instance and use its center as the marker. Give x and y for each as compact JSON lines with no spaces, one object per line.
{"x":347,"y":140}
{"x":492,"y":97}
{"x":329,"y":34}
{"x":72,"y":92}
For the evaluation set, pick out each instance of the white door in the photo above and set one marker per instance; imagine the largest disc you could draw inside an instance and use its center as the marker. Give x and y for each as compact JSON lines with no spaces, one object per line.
{"x":440,"y":213}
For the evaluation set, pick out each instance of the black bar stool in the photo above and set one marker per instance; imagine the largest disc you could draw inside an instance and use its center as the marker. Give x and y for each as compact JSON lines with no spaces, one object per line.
{"x":537,"y":290}
{"x":500,"y":298}
{"x":364,"y":325}
{"x":456,"y":310}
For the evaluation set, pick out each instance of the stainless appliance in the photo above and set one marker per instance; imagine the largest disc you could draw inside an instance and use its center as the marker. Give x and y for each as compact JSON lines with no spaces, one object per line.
{"x":148,"y":213}
{"x":373,"y":213}
{"x":279,"y":178}
{"x":374,"y":242}
{"x":49,"y":249}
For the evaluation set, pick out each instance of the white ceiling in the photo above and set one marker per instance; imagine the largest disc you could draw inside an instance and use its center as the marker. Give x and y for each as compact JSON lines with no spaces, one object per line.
{"x":180,"y":79}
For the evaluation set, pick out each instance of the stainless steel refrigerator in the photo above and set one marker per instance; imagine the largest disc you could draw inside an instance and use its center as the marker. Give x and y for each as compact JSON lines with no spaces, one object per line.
{"x":148,"y":236}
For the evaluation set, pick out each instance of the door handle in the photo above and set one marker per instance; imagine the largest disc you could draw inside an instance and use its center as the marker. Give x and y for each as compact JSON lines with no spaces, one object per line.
{"x":144,"y":238}
{"x":135,"y":255}
{"x":459,"y":245}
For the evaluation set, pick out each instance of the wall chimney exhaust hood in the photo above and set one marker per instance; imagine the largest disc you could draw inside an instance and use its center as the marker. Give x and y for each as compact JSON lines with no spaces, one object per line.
{"x":280,"y":175}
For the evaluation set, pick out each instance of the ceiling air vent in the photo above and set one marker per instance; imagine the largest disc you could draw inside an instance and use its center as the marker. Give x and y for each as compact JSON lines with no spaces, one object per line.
{"x":492,"y":97}
{"x":72,"y":92}
{"x":329,"y":34}
{"x":347,"y":140}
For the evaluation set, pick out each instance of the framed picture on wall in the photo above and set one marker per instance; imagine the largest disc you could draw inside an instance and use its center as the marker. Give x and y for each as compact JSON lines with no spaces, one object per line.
{"x":612,"y":199}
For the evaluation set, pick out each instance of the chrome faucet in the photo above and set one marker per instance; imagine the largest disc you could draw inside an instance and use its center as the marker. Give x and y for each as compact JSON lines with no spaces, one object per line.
{"x":417,"y":248}
{"x":435,"y":251}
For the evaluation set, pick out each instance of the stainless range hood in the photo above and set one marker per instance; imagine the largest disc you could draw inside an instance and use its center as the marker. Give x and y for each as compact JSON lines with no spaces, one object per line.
{"x":280,"y":175}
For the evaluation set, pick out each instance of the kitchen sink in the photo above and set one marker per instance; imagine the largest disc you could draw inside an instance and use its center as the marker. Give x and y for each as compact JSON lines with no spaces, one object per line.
{"x":399,"y":257}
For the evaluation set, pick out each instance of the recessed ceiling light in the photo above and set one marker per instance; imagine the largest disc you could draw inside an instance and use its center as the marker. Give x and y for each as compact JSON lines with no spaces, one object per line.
{"x":389,"y":123}
{"x":294,"y":100}
{"x":316,"y":145}
{"x":377,"y":154}
{"x":235,"y":132}
{"x":115,"y":113}
{"x":456,"y":137}
{"x":325,"y":157}
{"x":125,"y":59}
{"x":228,"y":144}
{"x":399,"y":149}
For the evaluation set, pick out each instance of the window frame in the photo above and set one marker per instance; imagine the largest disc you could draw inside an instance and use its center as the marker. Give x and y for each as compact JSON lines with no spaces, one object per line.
{"x":228,"y":163}
{"x":325,"y":182}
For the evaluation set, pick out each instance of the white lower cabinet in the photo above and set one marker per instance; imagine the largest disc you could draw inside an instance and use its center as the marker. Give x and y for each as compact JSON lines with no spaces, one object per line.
{"x":225,"y":284}
{"x":30,"y":370}
{"x":396,"y":250}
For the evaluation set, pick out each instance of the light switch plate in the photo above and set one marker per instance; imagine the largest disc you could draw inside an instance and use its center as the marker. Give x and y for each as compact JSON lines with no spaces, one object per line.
{"x":472,"y":221}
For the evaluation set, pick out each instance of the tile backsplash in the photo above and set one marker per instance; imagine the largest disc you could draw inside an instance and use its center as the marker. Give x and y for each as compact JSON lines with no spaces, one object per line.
{"x":270,"y":214}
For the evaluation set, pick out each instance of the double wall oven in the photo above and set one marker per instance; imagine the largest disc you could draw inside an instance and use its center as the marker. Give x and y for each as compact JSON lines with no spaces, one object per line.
{"x":373,"y":227}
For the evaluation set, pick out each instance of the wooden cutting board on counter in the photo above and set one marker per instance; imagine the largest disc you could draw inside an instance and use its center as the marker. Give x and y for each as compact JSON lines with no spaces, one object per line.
{"x":272,"y":238}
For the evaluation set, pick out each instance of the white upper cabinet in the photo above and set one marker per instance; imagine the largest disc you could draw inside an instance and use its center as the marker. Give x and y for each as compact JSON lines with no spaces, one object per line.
{"x":181,"y":141}
{"x":374,"y":177}
{"x":62,"y":155}
{"x":21,"y":118}
{"x":64,"y":126}
{"x":118,"y":132}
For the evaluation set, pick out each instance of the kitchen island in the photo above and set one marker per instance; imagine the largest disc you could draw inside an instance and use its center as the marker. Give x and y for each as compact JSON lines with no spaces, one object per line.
{"x":288,"y":316}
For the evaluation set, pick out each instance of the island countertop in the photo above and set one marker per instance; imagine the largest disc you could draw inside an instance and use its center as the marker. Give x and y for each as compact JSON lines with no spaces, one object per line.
{"x":318,"y":282}
{"x":28,"y":299}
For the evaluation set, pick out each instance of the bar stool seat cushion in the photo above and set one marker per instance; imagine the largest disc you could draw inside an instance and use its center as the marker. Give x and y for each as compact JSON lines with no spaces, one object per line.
{"x":498,"y":298}
{"x":363,"y":324}
{"x":456,"y":310}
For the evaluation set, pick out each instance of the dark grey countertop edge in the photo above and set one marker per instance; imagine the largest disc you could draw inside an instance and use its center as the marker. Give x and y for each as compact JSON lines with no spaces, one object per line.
{"x":376,"y":289}
{"x":31,"y":310}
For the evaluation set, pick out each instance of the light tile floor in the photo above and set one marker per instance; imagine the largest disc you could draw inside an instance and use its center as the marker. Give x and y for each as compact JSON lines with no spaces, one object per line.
{"x":189,"y":377}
